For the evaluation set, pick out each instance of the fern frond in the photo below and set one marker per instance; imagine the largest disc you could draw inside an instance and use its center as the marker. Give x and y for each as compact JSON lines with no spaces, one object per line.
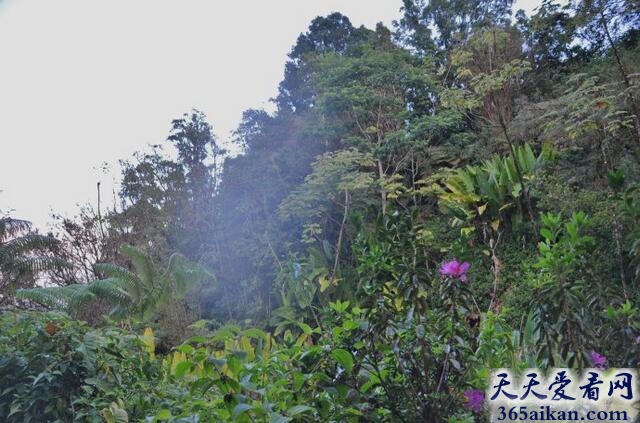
{"x":18,"y":246}
{"x":129,"y":281}
{"x":81,"y":298}
{"x":111,"y":289}
{"x":38,"y":264}
{"x":143,"y":264}
{"x":58,"y":298}
{"x":184,"y":274}
{"x":127,"y":292}
{"x":10,"y":228}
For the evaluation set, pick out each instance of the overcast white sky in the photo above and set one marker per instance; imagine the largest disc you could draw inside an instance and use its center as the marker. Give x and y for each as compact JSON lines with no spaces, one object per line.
{"x":83,"y":82}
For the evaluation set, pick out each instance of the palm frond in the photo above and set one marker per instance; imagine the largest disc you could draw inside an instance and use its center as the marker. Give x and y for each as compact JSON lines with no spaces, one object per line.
{"x":127,"y":292}
{"x":143,"y":264}
{"x":58,"y":298}
{"x":129,"y":281}
{"x":10,"y":227}
{"x":24,"y":244}
{"x":177,"y":273}
{"x":184,"y":274}
{"x":111,"y":289}
{"x":81,"y":298}
{"x":37,"y":264}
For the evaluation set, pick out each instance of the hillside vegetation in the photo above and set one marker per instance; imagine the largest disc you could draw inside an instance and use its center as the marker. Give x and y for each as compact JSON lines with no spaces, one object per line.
{"x":458,"y":193}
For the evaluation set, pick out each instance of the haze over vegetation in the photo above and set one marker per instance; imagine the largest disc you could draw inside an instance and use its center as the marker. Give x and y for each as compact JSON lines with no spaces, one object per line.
{"x":424,"y":203}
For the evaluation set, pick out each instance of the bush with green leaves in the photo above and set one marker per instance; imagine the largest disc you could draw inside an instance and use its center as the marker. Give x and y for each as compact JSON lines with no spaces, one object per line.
{"x":53,"y":368}
{"x":563,"y":310}
{"x":56,"y":369}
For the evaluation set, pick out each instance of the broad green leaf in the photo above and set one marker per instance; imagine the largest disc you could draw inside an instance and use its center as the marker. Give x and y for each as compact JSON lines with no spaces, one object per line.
{"x":163,"y":414}
{"x":182,"y":368}
{"x":299,"y":409}
{"x":255,"y":333}
{"x":187,"y":349}
{"x":305,"y":328}
{"x":344,"y":358}
{"x":239,"y":410}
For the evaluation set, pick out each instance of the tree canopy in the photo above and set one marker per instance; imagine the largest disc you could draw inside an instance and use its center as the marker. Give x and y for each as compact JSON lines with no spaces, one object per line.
{"x":426,"y":203}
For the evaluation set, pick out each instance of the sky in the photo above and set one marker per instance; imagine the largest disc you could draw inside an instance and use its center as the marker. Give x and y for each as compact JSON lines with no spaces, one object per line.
{"x":86,"y":83}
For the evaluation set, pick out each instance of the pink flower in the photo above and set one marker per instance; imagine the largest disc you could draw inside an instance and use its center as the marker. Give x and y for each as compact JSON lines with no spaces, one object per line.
{"x":474,"y":399}
{"x":599,"y":361}
{"x":638,"y":339}
{"x":455,"y":269}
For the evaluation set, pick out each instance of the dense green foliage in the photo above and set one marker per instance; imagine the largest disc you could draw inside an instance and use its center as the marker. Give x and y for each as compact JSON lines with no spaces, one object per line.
{"x":424,"y":205}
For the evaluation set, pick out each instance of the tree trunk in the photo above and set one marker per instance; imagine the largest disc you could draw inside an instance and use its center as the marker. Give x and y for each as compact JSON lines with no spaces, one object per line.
{"x":383,"y":192}
{"x":625,"y":77}
{"x":340,"y":234}
{"x":617,"y":235}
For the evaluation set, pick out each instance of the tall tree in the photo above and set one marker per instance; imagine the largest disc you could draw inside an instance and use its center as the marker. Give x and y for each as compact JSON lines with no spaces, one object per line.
{"x":549,"y":35}
{"x":168,"y":203}
{"x":152,"y":194}
{"x":199,"y":153}
{"x":84,"y":240}
{"x":429,"y":25}
{"x":491,"y":69}
{"x":370,"y":101}
{"x":254,"y":184}
{"x":200,"y":160}
{"x":603,"y":22}
{"x":331,"y":34}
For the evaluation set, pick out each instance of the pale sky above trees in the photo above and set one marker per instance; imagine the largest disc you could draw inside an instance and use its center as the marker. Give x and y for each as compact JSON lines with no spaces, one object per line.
{"x":85,"y":83}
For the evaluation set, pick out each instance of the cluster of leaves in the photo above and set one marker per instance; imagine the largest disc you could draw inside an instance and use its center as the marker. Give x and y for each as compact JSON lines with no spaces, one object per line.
{"x":372,"y":305}
{"x":56,"y":369}
{"x":492,"y":187}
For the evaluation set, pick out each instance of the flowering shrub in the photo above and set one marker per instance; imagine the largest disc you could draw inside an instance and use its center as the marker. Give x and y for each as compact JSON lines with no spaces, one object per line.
{"x":455,"y":270}
{"x":474,"y":399}
{"x":598,"y":360}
